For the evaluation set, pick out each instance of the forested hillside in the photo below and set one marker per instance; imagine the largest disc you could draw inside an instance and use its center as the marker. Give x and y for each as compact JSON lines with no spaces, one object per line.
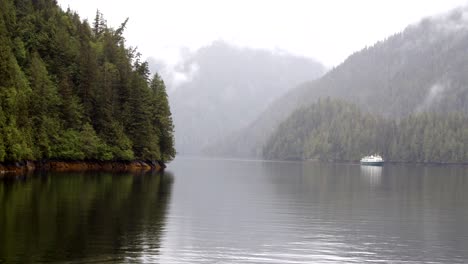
{"x":227,"y":87}
{"x":420,"y":69}
{"x":336,"y":130}
{"x":72,"y":90}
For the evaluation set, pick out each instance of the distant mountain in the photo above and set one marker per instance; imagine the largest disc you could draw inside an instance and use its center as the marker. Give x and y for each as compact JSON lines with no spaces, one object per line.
{"x":222,"y":88}
{"x":422,"y":69}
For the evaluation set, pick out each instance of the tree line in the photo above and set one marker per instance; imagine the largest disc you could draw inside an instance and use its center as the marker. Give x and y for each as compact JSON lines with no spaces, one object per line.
{"x":73,"y":90}
{"x":339,"y":131}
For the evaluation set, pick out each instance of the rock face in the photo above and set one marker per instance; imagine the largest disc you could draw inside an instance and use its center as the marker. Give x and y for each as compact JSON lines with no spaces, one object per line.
{"x":64,"y":166}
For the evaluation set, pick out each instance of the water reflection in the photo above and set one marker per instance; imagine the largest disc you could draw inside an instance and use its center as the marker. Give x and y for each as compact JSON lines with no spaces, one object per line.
{"x":240,"y":212}
{"x":285,"y":212}
{"x":90,"y":217}
{"x":372,"y":174}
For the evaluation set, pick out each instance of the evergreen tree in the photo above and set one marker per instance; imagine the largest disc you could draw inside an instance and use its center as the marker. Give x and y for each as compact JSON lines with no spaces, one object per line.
{"x":140,"y":128}
{"x":69,"y":91}
{"x":14,"y":92}
{"x":162,"y":119}
{"x":44,"y":103}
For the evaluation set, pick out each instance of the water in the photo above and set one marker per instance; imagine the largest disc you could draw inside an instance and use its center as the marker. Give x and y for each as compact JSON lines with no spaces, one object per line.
{"x":221,"y":211}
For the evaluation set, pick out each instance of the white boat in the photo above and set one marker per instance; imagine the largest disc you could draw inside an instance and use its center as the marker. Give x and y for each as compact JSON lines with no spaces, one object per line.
{"x":372,"y":160}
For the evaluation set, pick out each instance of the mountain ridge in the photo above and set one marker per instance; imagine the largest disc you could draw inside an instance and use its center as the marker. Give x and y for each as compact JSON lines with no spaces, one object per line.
{"x":419,"y":69}
{"x":227,"y":87}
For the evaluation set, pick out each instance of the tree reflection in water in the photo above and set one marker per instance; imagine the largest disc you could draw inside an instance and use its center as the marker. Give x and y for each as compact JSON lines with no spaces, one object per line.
{"x":82,"y":216}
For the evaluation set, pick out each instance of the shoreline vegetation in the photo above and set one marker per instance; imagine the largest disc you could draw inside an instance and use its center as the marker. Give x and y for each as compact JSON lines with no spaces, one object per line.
{"x":74,"y":96}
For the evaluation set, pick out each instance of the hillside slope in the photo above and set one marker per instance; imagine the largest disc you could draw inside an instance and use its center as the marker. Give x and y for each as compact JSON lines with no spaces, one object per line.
{"x":335,"y":130}
{"x":228,"y":87}
{"x":420,"y":69}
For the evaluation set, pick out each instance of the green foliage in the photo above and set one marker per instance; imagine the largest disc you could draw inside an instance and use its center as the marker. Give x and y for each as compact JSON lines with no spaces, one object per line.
{"x":335,"y":130}
{"x":121,"y":145}
{"x":71,"y":92}
{"x":14,"y":91}
{"x":68,"y":146}
{"x":43,"y":106}
{"x":92,"y":145}
{"x":162,"y":119}
{"x":139,"y":127}
{"x":2,"y":140}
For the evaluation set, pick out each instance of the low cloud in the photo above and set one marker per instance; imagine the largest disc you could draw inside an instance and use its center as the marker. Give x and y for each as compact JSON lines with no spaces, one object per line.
{"x":180,"y":77}
{"x":455,"y":20}
{"x":172,"y":73}
{"x":433,"y":95}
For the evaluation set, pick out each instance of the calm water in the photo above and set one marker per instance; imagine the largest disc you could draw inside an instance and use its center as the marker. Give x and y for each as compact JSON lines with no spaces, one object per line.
{"x":215,"y":211}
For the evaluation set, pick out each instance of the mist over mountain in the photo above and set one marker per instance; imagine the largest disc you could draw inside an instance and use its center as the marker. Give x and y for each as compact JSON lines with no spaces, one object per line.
{"x":221,"y":88}
{"x":422,"y":69}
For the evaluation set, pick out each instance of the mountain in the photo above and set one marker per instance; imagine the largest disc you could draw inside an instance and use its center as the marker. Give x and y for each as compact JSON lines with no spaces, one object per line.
{"x":225,"y":88}
{"x":422,"y":69}
{"x":74,"y":91}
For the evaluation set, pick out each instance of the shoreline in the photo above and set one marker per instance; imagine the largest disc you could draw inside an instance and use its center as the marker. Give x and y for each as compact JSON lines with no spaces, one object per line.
{"x":419,"y":163}
{"x":355,"y":162}
{"x":15,"y":168}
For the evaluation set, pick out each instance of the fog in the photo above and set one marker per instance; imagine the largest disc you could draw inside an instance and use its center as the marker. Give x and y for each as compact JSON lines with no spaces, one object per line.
{"x":233,"y":131}
{"x":228,"y":65}
{"x":328,"y":31}
{"x":222,"y":88}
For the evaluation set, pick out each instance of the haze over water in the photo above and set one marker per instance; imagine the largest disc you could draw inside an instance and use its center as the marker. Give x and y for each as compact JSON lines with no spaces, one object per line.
{"x":227,"y":211}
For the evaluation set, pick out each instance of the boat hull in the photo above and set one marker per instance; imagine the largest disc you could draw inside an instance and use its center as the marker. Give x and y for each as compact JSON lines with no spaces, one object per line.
{"x":372,"y":163}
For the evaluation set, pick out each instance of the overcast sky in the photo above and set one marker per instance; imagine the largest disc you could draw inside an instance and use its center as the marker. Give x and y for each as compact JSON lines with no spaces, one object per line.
{"x":326,"y":30}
